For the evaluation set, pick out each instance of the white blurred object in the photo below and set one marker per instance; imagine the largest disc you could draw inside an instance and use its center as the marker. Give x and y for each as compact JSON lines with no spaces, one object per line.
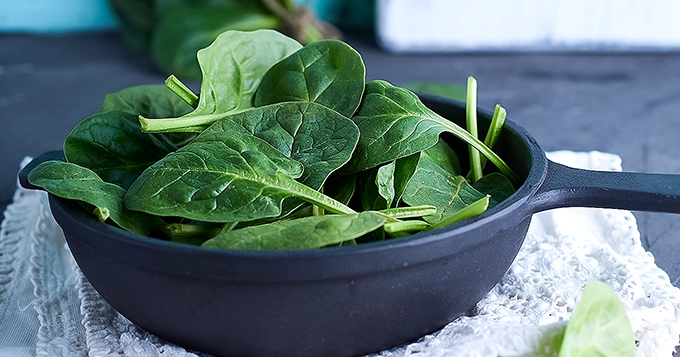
{"x":455,"y":25}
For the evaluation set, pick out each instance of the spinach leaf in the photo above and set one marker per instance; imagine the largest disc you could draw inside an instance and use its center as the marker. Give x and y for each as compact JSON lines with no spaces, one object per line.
{"x":599,"y":325}
{"x":432,"y":185}
{"x":327,"y":72}
{"x":473,"y":209}
{"x":74,"y":182}
{"x":404,"y":169}
{"x":319,"y":138}
{"x":112,"y":145}
{"x":152,"y":101}
{"x":185,"y":30}
{"x":394,"y":124}
{"x":496,"y":185}
{"x":223,"y":178}
{"x":231,"y":75}
{"x":302,"y":233}
{"x":442,"y":155}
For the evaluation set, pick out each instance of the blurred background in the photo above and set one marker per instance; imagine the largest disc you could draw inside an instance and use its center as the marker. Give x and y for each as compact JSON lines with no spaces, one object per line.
{"x":579,"y":75}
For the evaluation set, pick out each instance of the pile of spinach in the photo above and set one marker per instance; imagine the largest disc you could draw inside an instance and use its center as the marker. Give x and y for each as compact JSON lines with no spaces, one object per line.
{"x":286,"y":147}
{"x":172,"y":31}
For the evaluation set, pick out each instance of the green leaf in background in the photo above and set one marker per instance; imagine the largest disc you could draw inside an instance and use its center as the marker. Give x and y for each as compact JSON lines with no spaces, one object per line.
{"x":302,"y":233}
{"x":446,"y":90}
{"x":137,"y":21}
{"x":327,"y":72}
{"x":112,"y":145}
{"x":394,"y":123}
{"x":317,"y":137}
{"x":231,"y":75}
{"x":599,"y":325}
{"x":496,"y":185}
{"x":164,"y":7}
{"x":74,"y":182}
{"x":432,"y":185}
{"x":151,"y":101}
{"x":229,"y":178}
{"x":185,"y":30}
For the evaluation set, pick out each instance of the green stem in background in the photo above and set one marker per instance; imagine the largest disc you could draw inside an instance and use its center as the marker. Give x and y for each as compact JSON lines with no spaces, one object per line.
{"x":182,"y":91}
{"x":405,"y":226}
{"x":471,"y":121}
{"x":474,"y":209}
{"x":190,"y":124}
{"x":409,"y":212}
{"x":497,"y":122}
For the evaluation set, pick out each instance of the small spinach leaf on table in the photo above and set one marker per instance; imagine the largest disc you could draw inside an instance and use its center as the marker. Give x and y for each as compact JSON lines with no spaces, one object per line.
{"x":229,"y":178}
{"x":599,"y":325}
{"x":74,"y":182}
{"x":112,"y":145}
{"x":432,"y":185}
{"x":394,"y":123}
{"x":302,"y":233}
{"x":151,"y":101}
{"x":327,"y":72}
{"x":231,"y":75}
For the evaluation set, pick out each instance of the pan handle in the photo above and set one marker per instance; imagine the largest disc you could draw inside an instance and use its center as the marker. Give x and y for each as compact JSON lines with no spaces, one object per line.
{"x":569,"y":187}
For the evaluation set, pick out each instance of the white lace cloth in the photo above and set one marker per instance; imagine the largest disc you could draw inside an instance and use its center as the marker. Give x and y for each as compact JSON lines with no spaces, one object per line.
{"x":47,"y":307}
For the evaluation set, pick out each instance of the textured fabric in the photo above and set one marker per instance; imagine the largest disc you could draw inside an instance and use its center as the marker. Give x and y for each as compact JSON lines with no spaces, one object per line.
{"x":47,"y":307}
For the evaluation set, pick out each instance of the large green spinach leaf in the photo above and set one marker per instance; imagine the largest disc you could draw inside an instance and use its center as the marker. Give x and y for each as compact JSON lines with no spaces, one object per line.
{"x":74,"y":182}
{"x":394,"y":123}
{"x":223,"y":178}
{"x":327,"y":72}
{"x":113,"y":146}
{"x":432,"y":185}
{"x":319,"y":138}
{"x":302,"y":233}
{"x":231,"y":75}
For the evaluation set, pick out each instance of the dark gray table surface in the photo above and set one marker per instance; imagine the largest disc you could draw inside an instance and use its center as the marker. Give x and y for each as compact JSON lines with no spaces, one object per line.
{"x":627,"y":104}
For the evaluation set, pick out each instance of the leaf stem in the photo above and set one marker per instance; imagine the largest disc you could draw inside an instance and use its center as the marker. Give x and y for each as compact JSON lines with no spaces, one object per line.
{"x":409,"y":212}
{"x":497,"y":122}
{"x":477,"y":144}
{"x":474,"y":209}
{"x":182,"y":91}
{"x":187,"y":124}
{"x":317,"y":198}
{"x":405,"y":226}
{"x":471,"y":121}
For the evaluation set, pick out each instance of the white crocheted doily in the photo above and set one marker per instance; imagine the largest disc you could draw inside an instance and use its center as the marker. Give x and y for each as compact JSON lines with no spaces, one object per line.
{"x":47,"y":307}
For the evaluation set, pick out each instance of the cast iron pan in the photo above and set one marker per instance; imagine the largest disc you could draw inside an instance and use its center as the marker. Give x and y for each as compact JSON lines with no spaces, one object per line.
{"x":340,"y":301}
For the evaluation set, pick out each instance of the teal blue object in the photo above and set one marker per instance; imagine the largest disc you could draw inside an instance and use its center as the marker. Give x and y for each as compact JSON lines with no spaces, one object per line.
{"x":56,"y":16}
{"x":344,"y":13}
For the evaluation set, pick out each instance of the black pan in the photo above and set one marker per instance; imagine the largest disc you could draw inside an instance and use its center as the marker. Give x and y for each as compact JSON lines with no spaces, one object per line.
{"x":340,"y":301}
